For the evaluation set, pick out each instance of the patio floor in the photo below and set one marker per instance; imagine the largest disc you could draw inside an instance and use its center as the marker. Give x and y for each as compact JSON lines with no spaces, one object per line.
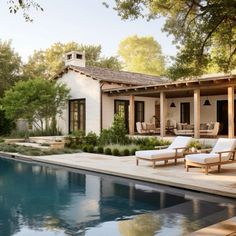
{"x":223,"y":183}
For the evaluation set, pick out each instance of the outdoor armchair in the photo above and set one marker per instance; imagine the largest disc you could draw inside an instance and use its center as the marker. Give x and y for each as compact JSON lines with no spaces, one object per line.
{"x":222,"y":153}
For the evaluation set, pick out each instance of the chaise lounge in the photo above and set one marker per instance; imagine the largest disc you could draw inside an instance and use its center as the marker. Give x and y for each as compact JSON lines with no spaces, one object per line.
{"x":222,"y":153}
{"x":173,"y":152}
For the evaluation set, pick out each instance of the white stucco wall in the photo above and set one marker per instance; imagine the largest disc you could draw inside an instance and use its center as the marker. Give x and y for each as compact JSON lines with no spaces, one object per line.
{"x":82,"y":87}
{"x":108,"y":108}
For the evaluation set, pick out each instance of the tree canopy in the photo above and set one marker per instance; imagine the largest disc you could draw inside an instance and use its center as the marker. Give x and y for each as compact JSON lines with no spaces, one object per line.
{"x":36,"y":100}
{"x":200,"y":28}
{"x":10,"y":66}
{"x":46,"y":63}
{"x":142,"y":54}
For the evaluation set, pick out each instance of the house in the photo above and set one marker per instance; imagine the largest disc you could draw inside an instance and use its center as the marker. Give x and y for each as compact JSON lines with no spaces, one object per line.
{"x":98,"y":93}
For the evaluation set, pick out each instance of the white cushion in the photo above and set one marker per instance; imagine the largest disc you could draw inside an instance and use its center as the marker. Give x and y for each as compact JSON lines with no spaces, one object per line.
{"x":204,"y":158}
{"x":155,"y":154}
{"x":180,"y":141}
{"x":224,"y":144}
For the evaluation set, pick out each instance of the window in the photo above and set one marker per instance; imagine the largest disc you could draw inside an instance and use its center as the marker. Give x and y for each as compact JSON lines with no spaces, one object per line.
{"x":139,"y":111}
{"x":122,"y":109}
{"x":185,"y":112}
{"x":79,"y":56}
{"x":69,"y":56}
{"x":77,"y":115}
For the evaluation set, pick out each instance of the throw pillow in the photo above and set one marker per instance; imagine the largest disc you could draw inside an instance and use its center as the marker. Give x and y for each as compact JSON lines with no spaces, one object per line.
{"x":144,"y":125}
{"x":211,"y":126}
{"x":150,"y":126}
{"x":203,"y":126}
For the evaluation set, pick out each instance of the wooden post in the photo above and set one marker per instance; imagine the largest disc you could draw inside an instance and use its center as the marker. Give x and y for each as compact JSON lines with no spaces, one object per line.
{"x":196,"y":113}
{"x":163,"y":114}
{"x":231,"y":112}
{"x":131,"y":114}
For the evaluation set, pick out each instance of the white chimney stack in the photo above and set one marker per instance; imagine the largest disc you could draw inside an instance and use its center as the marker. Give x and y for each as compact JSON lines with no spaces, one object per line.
{"x":75,"y":59}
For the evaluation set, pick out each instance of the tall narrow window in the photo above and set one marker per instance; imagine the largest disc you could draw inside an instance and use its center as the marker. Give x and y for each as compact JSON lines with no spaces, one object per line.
{"x":139,"y":111}
{"x":185,"y":112}
{"x":122,"y":109}
{"x":77,"y":115}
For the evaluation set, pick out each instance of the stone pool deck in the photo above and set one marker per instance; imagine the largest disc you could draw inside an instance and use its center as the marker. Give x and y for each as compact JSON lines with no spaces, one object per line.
{"x":223,"y":183}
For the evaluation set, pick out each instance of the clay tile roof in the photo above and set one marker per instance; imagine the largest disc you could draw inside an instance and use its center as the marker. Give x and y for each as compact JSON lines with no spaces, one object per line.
{"x":113,"y":76}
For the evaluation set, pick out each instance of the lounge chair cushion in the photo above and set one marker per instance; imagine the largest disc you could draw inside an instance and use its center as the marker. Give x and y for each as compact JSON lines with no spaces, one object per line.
{"x":224,"y":144}
{"x":180,"y":141}
{"x":155,"y":154}
{"x":204,"y":158}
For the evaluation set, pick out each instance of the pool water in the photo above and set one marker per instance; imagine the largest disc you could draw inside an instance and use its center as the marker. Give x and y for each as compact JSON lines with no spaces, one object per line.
{"x":48,"y":200}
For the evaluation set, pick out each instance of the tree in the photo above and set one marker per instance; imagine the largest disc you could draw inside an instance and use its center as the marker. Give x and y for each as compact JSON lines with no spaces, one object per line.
{"x":47,"y":63}
{"x":10,"y":65}
{"x":199,"y":27}
{"x":142,"y":54}
{"x":25,"y":6}
{"x":36,"y":100}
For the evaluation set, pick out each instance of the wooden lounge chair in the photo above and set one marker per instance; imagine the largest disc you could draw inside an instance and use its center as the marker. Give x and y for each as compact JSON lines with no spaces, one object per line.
{"x":222,"y":153}
{"x":173,"y":152}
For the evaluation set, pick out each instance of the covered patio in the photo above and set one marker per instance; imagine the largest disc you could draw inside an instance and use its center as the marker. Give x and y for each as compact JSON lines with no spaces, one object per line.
{"x":215,"y":89}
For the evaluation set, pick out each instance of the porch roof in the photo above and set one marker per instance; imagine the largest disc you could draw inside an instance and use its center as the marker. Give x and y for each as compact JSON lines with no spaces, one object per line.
{"x":209,"y":85}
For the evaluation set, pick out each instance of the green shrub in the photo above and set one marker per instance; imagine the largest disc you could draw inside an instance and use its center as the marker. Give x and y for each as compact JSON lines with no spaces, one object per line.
{"x":115,"y":152}
{"x":116,"y":134}
{"x":76,"y":138}
{"x":85,"y":148}
{"x":106,"y":137}
{"x":90,"y":148}
{"x":2,"y":140}
{"x":196,"y":144}
{"x":74,"y":146}
{"x":91,"y":139}
{"x":119,"y":130}
{"x":107,"y":151}
{"x":126,"y":152}
{"x":6,"y":125}
{"x":150,"y":143}
{"x":100,"y":150}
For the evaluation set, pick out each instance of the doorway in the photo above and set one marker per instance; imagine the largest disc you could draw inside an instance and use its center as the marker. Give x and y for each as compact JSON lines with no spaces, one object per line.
{"x":185,"y":112}
{"x":122,"y":109}
{"x":222,"y":116}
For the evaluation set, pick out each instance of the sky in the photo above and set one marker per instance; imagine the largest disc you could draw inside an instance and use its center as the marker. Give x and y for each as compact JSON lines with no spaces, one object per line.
{"x":82,"y":21}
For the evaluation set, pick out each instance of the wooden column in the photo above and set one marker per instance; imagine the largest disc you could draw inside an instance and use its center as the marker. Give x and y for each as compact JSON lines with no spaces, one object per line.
{"x":131,"y":114}
{"x":196,"y":113}
{"x":163,"y":114}
{"x":231,"y":112}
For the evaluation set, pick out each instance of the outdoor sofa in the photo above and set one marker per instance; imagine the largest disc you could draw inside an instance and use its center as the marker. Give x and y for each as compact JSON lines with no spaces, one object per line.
{"x":173,"y":152}
{"x":222,"y":153}
{"x":147,"y":128}
{"x":206,"y":129}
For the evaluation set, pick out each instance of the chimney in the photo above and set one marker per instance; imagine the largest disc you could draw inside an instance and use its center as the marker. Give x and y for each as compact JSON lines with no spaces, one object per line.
{"x":75,"y":58}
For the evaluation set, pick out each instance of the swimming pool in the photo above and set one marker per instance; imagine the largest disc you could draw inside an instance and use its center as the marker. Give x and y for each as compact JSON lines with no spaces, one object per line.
{"x":37,"y":199}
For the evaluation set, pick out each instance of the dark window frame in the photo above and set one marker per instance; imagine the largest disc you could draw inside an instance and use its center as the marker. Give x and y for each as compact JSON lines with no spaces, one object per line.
{"x":186,"y":117}
{"x":80,"y":100}
{"x":126,"y":115}
{"x":136,"y":112}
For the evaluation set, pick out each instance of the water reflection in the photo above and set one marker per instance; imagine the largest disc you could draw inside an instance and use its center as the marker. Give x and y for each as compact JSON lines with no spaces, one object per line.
{"x":50,"y":201}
